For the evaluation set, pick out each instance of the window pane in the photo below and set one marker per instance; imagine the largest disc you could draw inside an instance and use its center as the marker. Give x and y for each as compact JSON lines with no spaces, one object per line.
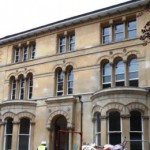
{"x":119,"y":36}
{"x":120,"y":77}
{"x":133,"y":75}
{"x":118,"y":28}
{"x":106,"y":79}
{"x":115,"y":138}
{"x":119,"y":71}
{"x":106,"y":34}
{"x":8,"y":142}
{"x":132,"y":29}
{"x":72,"y":42}
{"x":119,"y":32}
{"x":132,"y":34}
{"x":136,"y":145}
{"x":114,"y":121}
{"x":9,"y":126}
{"x":135,"y":121}
{"x":24,"y":126}
{"x":23,"y":142}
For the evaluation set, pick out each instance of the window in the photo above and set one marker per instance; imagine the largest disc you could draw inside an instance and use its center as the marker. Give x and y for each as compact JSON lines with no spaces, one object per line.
{"x":119,"y":31}
{"x":135,"y":130}
{"x":16,"y":55}
{"x":60,"y":82}
{"x":133,"y":72}
{"x":24,"y":134}
{"x":66,"y":43}
{"x":106,"y":75}
{"x":106,"y":34}
{"x":30,"y":85}
{"x":8,"y":134}
{"x":97,"y":128}
{"x":132,"y":29}
{"x":24,"y":52}
{"x":70,"y":81}
{"x":114,"y":128}
{"x":64,"y":81}
{"x":13,"y":88}
{"x":21,"y":88}
{"x":119,"y":72}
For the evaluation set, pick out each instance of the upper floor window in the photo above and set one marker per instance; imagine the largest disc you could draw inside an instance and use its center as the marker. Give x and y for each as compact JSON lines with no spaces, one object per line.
{"x":64,"y":81}
{"x":114,"y":128}
{"x":106,"y":34}
{"x":132,"y":29}
{"x":119,"y":72}
{"x":66,"y":43}
{"x":24,"y":52}
{"x":119,"y":31}
{"x":21,"y":88}
{"x":133,"y":72}
{"x":106,"y":75}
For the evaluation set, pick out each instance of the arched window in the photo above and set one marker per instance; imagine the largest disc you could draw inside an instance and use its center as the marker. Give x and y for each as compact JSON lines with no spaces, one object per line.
{"x":70,"y":81}
{"x":136,"y":130}
{"x":114,"y":128}
{"x":13,"y":86}
{"x":24,"y":134}
{"x":97,"y":128}
{"x":8,"y":134}
{"x":21,"y":87}
{"x":119,"y":73}
{"x":59,"y":82}
{"x":29,"y":85}
{"x":106,"y":75}
{"x":133,"y":72}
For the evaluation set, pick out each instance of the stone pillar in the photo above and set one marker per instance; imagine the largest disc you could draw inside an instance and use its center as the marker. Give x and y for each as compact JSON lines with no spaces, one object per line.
{"x":126,"y":128}
{"x":32,"y":135}
{"x":112,"y":75}
{"x":15,"y":135}
{"x":126,"y":73}
{"x":103,"y":130}
{"x":70,"y":138}
{"x":2,"y":127}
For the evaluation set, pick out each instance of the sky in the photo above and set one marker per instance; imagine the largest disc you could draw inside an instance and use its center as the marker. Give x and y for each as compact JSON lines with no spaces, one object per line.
{"x":21,"y":15}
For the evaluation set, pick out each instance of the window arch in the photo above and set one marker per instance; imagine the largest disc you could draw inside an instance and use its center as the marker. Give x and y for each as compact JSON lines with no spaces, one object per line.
{"x":24,"y":134}
{"x":97,"y":127}
{"x":70,"y":80}
{"x":136,"y":130}
{"x":119,"y":72}
{"x":8,"y":134}
{"x":133,"y":71}
{"x":106,"y":74}
{"x":114,"y":127}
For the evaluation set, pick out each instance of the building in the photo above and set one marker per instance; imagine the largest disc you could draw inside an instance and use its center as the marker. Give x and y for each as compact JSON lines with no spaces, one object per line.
{"x":89,"y":73}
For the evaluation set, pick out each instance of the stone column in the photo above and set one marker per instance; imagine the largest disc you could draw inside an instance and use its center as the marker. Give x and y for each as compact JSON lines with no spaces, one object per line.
{"x":15,"y":135}
{"x":126,"y":128}
{"x":103,"y":130}
{"x":125,"y":73}
{"x":112,"y":75}
{"x":70,"y":138}
{"x":32,"y":135}
{"x":2,"y":127}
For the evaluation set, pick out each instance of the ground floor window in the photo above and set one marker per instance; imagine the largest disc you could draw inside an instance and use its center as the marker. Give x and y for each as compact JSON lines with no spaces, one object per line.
{"x":24,"y":134}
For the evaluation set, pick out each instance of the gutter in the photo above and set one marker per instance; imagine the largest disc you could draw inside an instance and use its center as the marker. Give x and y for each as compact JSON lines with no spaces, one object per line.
{"x":73,"y":20}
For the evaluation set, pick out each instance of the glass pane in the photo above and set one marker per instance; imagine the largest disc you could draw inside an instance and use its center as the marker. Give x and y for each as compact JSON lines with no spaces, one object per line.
{"x":70,"y":84}
{"x":106,"y":85}
{"x":8,"y":142}
{"x":98,"y":123}
{"x":62,"y":40}
{"x":119,"y":37}
{"x":106,"y":69}
{"x":106,"y":39}
{"x":60,"y":87}
{"x":114,"y":121}
{"x":9,"y":126}
{"x":136,"y":145}
{"x":70,"y":74}
{"x":24,"y":126}
{"x":132,"y":34}
{"x":119,"y":67}
{"x":120,"y":77}
{"x":23,"y":142}
{"x":135,"y":121}
{"x":132,"y":25}
{"x":62,"y":48}
{"x":133,"y":75}
{"x":133,"y":83}
{"x":70,"y":91}
{"x":106,"y":79}
{"x":118,"y":28}
{"x":72,"y":46}
{"x":115,"y":138}
{"x":59,"y":93}
{"x":133,"y":65}
{"x":106,"y":30}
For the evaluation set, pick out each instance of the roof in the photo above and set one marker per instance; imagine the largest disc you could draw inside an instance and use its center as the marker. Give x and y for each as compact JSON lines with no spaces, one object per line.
{"x":73,"y":20}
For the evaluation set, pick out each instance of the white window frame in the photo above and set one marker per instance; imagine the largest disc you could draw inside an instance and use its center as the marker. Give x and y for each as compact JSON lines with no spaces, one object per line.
{"x":69,"y":81}
{"x":71,"y":42}
{"x":30,"y":85}
{"x":32,"y":50}
{"x":16,"y":55}
{"x":13,"y":90}
{"x":60,"y":82}
{"x":21,"y":88}
{"x":25,"y":53}
{"x":132,"y":29}
{"x":107,"y":35}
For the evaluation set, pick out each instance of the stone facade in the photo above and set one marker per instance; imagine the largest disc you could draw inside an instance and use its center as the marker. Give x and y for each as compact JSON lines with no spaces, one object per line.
{"x":53,"y":78}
